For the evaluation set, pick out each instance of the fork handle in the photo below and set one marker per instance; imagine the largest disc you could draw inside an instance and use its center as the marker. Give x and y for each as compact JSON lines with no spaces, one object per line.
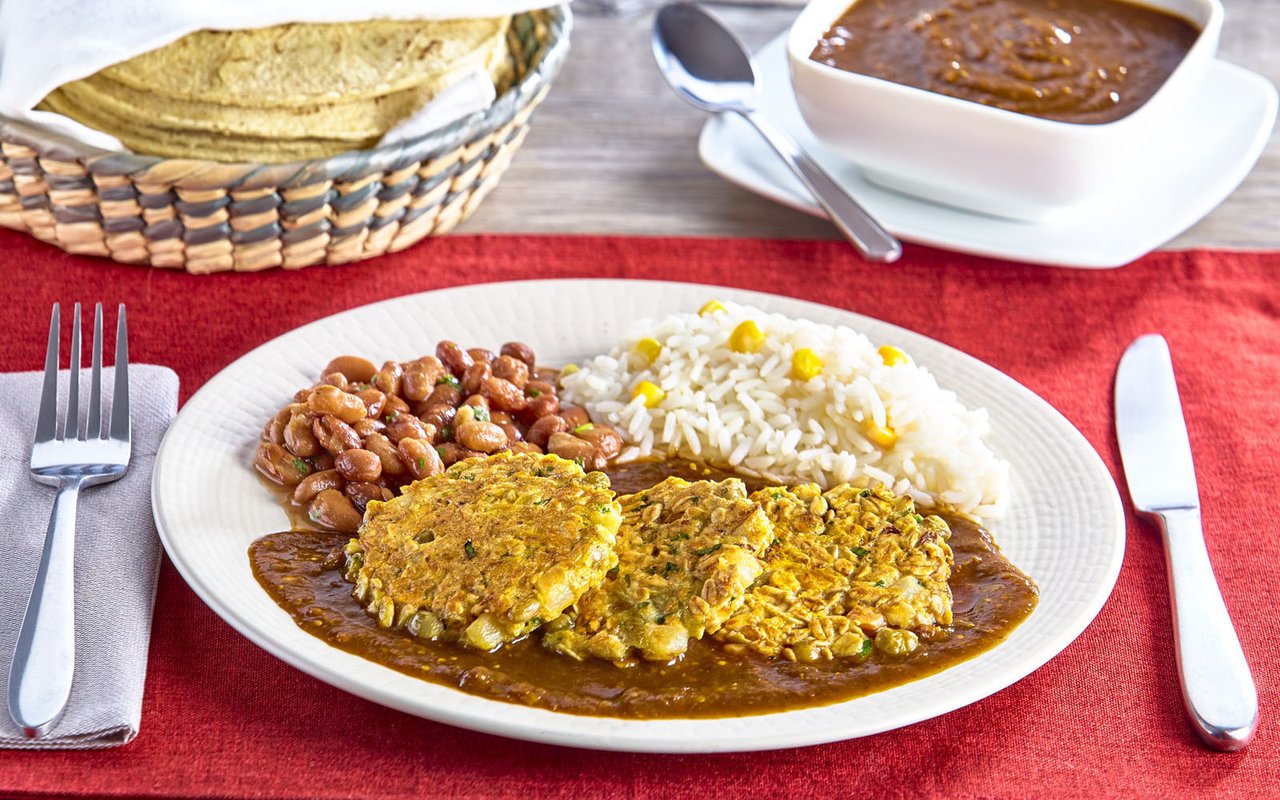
{"x":43,"y":663}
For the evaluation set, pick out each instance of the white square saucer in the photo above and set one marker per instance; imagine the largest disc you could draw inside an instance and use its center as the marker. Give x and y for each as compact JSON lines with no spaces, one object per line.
{"x":1178,"y":181}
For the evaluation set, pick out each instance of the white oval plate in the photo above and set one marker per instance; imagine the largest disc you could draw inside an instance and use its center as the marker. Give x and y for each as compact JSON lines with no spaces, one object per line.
{"x":1065,"y":526}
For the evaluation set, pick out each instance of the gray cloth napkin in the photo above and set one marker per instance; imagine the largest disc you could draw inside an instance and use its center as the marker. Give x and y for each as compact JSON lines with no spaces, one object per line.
{"x":117,"y":561}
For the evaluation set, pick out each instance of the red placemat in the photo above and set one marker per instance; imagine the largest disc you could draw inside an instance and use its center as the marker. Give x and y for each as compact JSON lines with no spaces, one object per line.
{"x":223,"y":718}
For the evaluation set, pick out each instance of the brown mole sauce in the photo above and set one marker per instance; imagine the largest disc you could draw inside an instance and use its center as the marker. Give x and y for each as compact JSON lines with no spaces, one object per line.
{"x":1084,"y":61}
{"x":300,"y":569}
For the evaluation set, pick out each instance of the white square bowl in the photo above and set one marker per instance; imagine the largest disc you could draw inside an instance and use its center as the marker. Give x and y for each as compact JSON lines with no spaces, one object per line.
{"x":971,"y":156}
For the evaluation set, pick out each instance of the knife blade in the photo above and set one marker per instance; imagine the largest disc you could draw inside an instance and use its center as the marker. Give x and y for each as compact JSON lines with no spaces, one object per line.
{"x":1217,"y":686}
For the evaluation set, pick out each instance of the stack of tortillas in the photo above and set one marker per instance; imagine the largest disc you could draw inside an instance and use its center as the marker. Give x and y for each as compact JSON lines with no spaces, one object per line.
{"x":282,"y":93}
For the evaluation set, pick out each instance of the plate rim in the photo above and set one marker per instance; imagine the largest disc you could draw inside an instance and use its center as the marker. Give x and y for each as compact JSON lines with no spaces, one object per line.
{"x":629,"y":737}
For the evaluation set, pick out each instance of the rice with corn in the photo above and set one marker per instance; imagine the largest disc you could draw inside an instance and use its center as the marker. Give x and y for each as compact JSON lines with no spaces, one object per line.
{"x":791,"y":401}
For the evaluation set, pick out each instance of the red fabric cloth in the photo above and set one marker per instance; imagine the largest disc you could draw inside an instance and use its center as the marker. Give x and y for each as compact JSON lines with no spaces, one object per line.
{"x":223,"y":718}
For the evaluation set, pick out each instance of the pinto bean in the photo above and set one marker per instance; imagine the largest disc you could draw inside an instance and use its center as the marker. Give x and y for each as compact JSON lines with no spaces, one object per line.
{"x":481,"y":437}
{"x":482,"y":354}
{"x":509,"y":428}
{"x":575,"y":415}
{"x":520,"y":448}
{"x":298,"y":436}
{"x":439,"y":415}
{"x":279,"y":465}
{"x":538,"y":407}
{"x":321,"y":461}
{"x":361,"y":493}
{"x":374,"y":401}
{"x":454,"y":358}
{"x":314,"y":484}
{"x":361,"y":466}
{"x":331,"y":400}
{"x":388,"y":378}
{"x":274,"y":430}
{"x":520,"y":351}
{"x":336,"y":380}
{"x":477,"y":401}
{"x":444,"y":394}
{"x":503,"y":394}
{"x":511,"y":369}
{"x":367,"y":427}
{"x":566,"y":445}
{"x":420,"y":458}
{"x":451,"y":453}
{"x":335,"y":435}
{"x":353,"y":368}
{"x":387,"y":453}
{"x":333,"y":510}
{"x":536,"y":388}
{"x":476,"y":376}
{"x":406,"y":426}
{"x":416,"y":385}
{"x":541,"y":431}
{"x":395,"y":406}
{"x":607,"y":441}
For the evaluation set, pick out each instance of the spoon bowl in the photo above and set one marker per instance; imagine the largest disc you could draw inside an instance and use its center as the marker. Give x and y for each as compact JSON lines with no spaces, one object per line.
{"x":707,"y":66}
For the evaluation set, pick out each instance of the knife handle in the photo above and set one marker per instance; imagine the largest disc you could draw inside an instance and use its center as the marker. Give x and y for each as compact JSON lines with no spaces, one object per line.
{"x":1217,"y":687}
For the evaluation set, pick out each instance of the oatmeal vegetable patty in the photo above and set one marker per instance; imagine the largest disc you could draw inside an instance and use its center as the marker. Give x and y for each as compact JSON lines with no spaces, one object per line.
{"x":486,"y":551}
{"x":850,"y":570}
{"x":686,"y":556}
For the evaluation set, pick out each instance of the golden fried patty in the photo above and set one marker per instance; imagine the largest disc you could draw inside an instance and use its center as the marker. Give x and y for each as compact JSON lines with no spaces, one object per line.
{"x":847,"y":567}
{"x":487,"y":550}
{"x":686,"y":554}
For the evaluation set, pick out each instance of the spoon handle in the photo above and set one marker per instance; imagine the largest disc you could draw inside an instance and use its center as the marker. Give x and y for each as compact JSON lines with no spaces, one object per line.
{"x":858,"y":226}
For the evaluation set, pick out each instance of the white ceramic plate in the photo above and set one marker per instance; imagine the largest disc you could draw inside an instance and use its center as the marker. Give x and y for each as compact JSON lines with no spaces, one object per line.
{"x":1181,"y":177}
{"x":1066,"y":527}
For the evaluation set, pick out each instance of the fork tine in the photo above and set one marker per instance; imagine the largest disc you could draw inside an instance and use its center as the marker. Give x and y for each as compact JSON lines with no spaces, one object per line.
{"x":120,"y":400}
{"x":47,"y":422}
{"x":94,"y":426}
{"x":71,"y":424}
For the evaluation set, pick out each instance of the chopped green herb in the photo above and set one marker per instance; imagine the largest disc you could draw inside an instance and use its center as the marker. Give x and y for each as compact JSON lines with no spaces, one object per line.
{"x":450,"y":380}
{"x":864,"y":493}
{"x":581,"y":462}
{"x":605,"y":509}
{"x":860,"y":551}
{"x":583,"y":428}
{"x":539,"y":473}
{"x":314,"y":515}
{"x":867,"y":647}
{"x":613,"y":573}
{"x":422,"y":462}
{"x":481,"y":413}
{"x":680,"y":537}
{"x":535,"y":622}
{"x":302,"y":467}
{"x":651,"y":569}
{"x":542,"y":502}
{"x":918,"y":518}
{"x":669,"y":568}
{"x":446,"y":432}
{"x":469,"y":549}
{"x":391,"y":417}
{"x":661,"y":619}
{"x":440,"y":451}
{"x":880,"y":583}
{"x":535,"y":393}
{"x":776,"y":495}
{"x":627,"y":580}
{"x":702,"y":551}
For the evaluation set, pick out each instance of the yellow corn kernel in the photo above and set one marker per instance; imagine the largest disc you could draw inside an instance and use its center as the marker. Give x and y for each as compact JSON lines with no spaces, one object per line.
{"x":892,"y":356}
{"x":711,"y":307}
{"x":805,"y":364}
{"x":567,"y":370}
{"x":884,"y":436}
{"x":649,"y":349}
{"x":651,"y":392}
{"x":746,"y":338}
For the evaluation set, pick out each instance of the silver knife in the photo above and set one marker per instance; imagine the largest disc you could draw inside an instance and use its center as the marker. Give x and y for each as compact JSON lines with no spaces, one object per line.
{"x":1217,"y":687}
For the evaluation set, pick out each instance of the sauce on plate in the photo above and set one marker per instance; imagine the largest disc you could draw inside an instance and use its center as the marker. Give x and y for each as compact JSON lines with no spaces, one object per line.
{"x":1083,"y":61}
{"x":301,"y":570}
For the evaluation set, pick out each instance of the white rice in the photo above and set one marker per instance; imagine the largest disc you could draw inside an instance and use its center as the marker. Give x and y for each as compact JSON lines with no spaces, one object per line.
{"x":746,"y":412}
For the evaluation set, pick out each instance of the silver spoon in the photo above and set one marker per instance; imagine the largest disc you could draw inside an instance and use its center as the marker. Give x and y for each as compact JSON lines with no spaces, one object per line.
{"x":710,"y":69}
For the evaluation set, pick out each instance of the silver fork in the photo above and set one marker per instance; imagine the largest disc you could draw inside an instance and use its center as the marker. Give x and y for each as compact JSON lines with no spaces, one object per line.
{"x":78,"y":457}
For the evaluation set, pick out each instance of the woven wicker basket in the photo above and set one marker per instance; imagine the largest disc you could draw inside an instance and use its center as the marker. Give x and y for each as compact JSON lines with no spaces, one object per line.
{"x":208,"y":216}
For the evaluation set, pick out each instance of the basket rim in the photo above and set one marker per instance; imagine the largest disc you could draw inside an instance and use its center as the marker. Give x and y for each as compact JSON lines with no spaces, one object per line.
{"x":351,"y":165}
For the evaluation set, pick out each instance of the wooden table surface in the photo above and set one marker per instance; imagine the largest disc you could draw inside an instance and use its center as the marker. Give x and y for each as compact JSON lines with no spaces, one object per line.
{"x":612,"y":150}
